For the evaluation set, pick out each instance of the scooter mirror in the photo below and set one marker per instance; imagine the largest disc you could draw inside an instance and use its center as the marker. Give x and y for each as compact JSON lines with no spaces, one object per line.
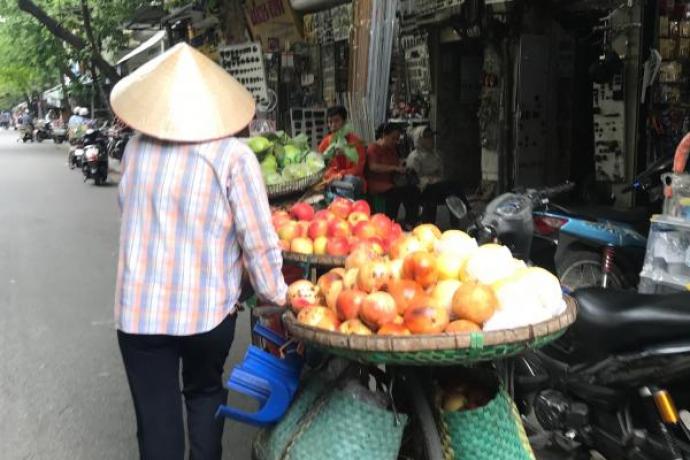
{"x":457,"y":207}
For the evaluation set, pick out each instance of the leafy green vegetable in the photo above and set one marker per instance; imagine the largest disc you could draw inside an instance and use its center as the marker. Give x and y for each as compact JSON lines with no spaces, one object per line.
{"x":340,"y":144}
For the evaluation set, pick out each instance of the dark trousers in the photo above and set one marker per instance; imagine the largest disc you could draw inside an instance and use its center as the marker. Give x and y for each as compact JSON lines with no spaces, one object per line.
{"x":152,"y":363}
{"x":436,"y":194}
{"x":409,"y":196}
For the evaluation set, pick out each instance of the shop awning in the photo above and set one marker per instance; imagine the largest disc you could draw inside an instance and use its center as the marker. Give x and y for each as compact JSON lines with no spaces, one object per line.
{"x":154,"y":40}
{"x":53,"y":96}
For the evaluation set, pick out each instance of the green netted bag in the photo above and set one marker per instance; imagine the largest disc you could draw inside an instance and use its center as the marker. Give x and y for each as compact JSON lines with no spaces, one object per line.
{"x":491,"y":432}
{"x":327,"y":422}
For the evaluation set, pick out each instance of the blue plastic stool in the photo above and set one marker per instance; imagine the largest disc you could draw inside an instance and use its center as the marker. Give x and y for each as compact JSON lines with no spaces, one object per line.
{"x":270,"y":380}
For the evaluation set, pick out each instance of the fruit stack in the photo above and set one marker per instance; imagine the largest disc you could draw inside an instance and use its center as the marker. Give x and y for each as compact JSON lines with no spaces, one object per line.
{"x":344,"y":227}
{"x":431,"y":283}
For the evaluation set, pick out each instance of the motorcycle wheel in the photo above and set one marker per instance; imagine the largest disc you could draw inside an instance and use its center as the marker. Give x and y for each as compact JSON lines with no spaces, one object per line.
{"x":57,"y":140}
{"x":582,"y":269}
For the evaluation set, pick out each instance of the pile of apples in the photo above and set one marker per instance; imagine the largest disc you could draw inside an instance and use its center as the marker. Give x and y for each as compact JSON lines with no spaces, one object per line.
{"x":336,"y":231}
{"x":431,"y":283}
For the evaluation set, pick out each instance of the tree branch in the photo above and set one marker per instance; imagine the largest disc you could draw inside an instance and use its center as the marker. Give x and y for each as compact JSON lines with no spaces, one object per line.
{"x":86,"y":14}
{"x":68,"y":37}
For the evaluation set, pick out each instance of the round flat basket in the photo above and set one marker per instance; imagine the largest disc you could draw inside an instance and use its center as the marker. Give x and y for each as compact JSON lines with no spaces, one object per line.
{"x":434,"y":350}
{"x":313,"y":259}
{"x":288,"y":188}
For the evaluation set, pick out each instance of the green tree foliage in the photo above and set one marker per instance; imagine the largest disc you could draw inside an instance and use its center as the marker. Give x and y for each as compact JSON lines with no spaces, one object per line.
{"x":36,"y":52}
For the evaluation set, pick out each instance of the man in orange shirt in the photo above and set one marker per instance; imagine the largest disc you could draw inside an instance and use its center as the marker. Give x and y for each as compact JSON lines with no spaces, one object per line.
{"x":341,"y":166}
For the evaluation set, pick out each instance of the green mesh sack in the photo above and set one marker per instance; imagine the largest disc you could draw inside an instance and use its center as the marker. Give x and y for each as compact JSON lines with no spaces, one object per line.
{"x":491,"y":432}
{"x":335,"y":424}
{"x":271,"y":442}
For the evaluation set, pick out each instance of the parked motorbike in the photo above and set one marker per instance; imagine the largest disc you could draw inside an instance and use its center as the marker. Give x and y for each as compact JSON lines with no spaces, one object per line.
{"x":95,"y":157}
{"x":598,"y":246}
{"x":75,"y":157}
{"x":613,"y":381}
{"x":43,"y":131}
{"x":59,"y":134}
{"x":26,"y":134}
{"x":117,"y":141}
{"x":508,"y":217}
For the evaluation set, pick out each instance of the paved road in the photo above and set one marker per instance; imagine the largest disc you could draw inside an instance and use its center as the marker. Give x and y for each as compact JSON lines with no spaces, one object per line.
{"x":63,"y":392}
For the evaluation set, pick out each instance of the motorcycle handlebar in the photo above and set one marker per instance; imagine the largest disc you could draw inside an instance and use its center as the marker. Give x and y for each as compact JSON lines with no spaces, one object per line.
{"x":549,"y":192}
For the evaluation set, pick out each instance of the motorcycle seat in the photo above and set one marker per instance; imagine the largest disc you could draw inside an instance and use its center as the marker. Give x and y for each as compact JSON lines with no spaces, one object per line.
{"x":615,"y":321}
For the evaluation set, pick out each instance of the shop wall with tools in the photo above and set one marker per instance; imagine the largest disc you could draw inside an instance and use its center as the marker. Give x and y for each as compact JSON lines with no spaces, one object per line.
{"x":670,"y":112}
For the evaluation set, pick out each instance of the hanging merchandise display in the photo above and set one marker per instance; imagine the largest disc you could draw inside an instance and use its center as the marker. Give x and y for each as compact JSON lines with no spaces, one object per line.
{"x":311,"y":122}
{"x":274,"y":22}
{"x":609,"y":130}
{"x":328,"y":26}
{"x":489,"y":113}
{"x":245,"y":62}
{"x":670,"y":112}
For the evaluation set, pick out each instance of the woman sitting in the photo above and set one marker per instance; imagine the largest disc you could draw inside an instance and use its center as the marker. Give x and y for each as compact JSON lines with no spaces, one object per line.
{"x":383,"y":168}
{"x":427,"y":163}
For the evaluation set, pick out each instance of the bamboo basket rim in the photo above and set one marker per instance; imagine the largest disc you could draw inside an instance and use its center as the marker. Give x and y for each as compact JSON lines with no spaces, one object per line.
{"x":314,"y":259}
{"x":299,"y":185}
{"x":432,"y":342}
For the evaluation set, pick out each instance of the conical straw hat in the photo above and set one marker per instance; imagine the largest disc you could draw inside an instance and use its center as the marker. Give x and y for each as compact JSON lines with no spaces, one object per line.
{"x":183,"y":96}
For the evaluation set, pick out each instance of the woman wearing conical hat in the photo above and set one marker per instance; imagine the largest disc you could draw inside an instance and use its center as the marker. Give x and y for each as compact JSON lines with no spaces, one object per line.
{"x":194,"y":213}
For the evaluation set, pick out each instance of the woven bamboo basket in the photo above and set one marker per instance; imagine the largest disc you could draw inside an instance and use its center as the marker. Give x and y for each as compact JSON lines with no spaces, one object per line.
{"x":438,"y":349}
{"x":314,"y":259}
{"x":288,"y":188}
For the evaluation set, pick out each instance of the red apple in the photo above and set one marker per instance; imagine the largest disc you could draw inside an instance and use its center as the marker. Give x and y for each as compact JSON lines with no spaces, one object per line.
{"x":359,"y":255}
{"x":393,"y":329}
{"x":376,"y":244}
{"x":302,"y":211}
{"x":317,"y":228}
{"x":404,"y":291}
{"x":378,"y":309}
{"x":368,"y":246}
{"x":284,"y":245}
{"x":428,"y":234}
{"x":426,"y":320}
{"x":303,"y":228}
{"x":354,"y":327}
{"x":350,"y":278}
{"x":383,"y":225}
{"x":320,"y":317}
{"x":326,"y":280}
{"x":279,"y":218}
{"x":352,"y":241}
{"x":361,"y":206}
{"x":339,"y":227}
{"x":324,"y":214}
{"x":395,"y":268}
{"x":333,"y":292}
{"x":396,"y":231}
{"x":337,"y":246}
{"x":404,"y":246}
{"x":302,"y":245}
{"x":303,"y":293}
{"x":364,"y":230}
{"x":349,"y":303}
{"x":320,"y":245}
{"x":289,"y":231}
{"x":356,"y":217}
{"x":341,"y":207}
{"x":373,"y":276}
{"x":420,"y":266}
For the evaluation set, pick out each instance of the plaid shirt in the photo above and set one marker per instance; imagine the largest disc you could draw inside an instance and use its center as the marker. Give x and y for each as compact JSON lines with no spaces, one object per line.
{"x":192,"y":216}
